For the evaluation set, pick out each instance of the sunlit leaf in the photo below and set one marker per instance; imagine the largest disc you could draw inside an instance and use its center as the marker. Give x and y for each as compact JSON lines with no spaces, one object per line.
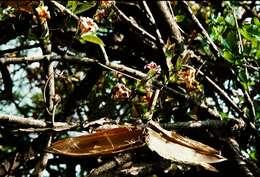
{"x":78,"y":7}
{"x":252,"y":155}
{"x":228,"y":56}
{"x":180,"y":18}
{"x":230,"y":20}
{"x":256,"y":21}
{"x":91,"y":38}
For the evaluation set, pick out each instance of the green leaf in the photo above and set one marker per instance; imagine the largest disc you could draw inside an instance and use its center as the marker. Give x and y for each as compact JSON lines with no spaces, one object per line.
{"x":228,"y":56}
{"x":230,"y":20}
{"x":78,"y":7}
{"x":250,"y":32}
{"x":257,"y":55}
{"x":220,"y":20}
{"x":72,"y":5}
{"x":90,"y":37}
{"x":252,"y":155}
{"x":84,"y":7}
{"x":242,"y":76}
{"x":256,"y":21}
{"x":231,"y":39}
{"x":180,"y":18}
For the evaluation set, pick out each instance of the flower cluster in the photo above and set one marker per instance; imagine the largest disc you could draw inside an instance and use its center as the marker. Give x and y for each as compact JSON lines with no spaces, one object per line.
{"x":104,"y":10}
{"x":87,"y":24}
{"x":121,"y":92}
{"x":43,"y":13}
{"x":106,"y":3}
{"x":153,"y":67}
{"x":187,"y":77}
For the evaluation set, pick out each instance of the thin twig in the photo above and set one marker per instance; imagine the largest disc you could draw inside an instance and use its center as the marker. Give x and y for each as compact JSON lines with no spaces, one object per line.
{"x":30,"y":59}
{"x":154,"y":101}
{"x":47,"y":57}
{"x":162,"y":61}
{"x":127,"y":71}
{"x":104,"y":54}
{"x":19,"y":48}
{"x":204,"y":32}
{"x":158,"y":34}
{"x":241,"y":50}
{"x":119,"y":160}
{"x":58,"y":127}
{"x":65,"y":10}
{"x":133,"y":24}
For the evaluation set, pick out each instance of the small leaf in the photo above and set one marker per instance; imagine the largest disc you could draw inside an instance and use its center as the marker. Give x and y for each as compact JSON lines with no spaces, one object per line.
{"x":179,"y":18}
{"x":231,"y":39}
{"x":90,"y":37}
{"x":228,"y":56}
{"x":256,"y":21}
{"x":84,"y":7}
{"x":252,"y":155}
{"x":230,"y":20}
{"x":78,"y":7}
{"x":220,"y":20}
{"x":72,"y":5}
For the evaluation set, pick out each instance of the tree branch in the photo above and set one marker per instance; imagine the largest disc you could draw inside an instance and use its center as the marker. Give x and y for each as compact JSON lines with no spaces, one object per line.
{"x":162,"y":61}
{"x":32,"y":124}
{"x":173,"y":26}
{"x":19,"y":48}
{"x":204,"y":32}
{"x":50,"y":89}
{"x":239,"y":159}
{"x":7,"y":81}
{"x":65,"y":10}
{"x":134,"y":25}
{"x":119,"y":160}
{"x":24,"y":122}
{"x":233,"y":124}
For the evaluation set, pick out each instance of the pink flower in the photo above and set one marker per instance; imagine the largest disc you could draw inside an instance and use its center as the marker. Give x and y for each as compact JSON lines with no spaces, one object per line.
{"x":43,"y":13}
{"x":121,"y":92}
{"x":153,"y":67}
{"x":87,"y":24}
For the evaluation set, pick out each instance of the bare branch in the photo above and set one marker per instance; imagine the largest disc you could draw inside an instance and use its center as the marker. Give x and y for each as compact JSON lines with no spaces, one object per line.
{"x":240,"y":160}
{"x":231,"y":124}
{"x":19,"y":48}
{"x":24,"y":122}
{"x":204,"y":32}
{"x":50,"y":91}
{"x":133,"y":24}
{"x":30,"y":124}
{"x":119,"y":160}
{"x":173,"y":26}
